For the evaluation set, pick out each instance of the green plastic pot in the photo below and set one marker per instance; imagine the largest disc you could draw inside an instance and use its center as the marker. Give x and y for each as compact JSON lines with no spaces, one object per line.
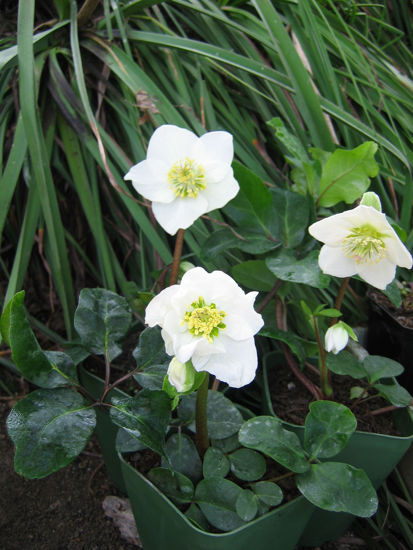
{"x":161,"y":525}
{"x":376,"y":454}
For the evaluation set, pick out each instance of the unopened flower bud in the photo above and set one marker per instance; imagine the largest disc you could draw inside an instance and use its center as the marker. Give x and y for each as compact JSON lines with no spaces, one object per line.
{"x":336,"y":338}
{"x":181,"y":375}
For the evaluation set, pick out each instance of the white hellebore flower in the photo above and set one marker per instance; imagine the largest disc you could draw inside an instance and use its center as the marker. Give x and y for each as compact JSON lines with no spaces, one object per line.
{"x":360,"y":241}
{"x":336,"y":338}
{"x":184,"y":175}
{"x":209,"y":319}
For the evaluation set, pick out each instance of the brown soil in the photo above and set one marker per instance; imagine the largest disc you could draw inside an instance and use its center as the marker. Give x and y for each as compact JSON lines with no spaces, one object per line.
{"x":404,"y":314}
{"x":290,"y":400}
{"x":60,"y":512}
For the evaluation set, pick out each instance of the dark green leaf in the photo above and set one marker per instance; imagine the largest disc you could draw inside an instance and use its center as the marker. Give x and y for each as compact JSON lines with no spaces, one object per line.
{"x":338,"y":487}
{"x":269,"y":493}
{"x":329,"y":312}
{"x":328,"y":427}
{"x":378,"y":367}
{"x":396,"y":394}
{"x":216,"y":464}
{"x":183,"y":456}
{"x":251,"y":208}
{"x":289,"y":338}
{"x":45,"y":369}
{"x":224,"y":419}
{"x":144,"y":416}
{"x":223,"y":239}
{"x":102,"y":319}
{"x":195,"y":515}
{"x":247,"y":464}
{"x":346,"y":174}
{"x":150,"y":349}
{"x":305,"y":271}
{"x":254,"y":274}
{"x":125,"y":443}
{"x":246,"y":505}
{"x":226,"y":445}
{"x":217,"y":499}
{"x":174,"y":485}
{"x":49,"y":427}
{"x":266,"y":434}
{"x":291,"y":213}
{"x":152,"y":377}
{"x":392,"y":291}
{"x":345,"y":363}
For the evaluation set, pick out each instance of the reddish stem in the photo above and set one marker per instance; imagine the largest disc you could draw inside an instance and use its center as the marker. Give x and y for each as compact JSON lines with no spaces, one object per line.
{"x":177,"y":257}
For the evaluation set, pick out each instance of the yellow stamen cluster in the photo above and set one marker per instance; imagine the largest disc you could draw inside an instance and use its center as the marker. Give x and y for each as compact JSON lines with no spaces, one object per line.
{"x":365,"y":245}
{"x":186,"y":178}
{"x":204,"y":320}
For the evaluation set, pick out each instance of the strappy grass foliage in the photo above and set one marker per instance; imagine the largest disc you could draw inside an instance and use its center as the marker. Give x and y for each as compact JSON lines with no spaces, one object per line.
{"x":84,"y":88}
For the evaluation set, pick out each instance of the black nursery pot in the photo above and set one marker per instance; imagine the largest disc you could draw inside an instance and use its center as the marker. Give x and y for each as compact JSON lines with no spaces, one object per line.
{"x":387,"y":336}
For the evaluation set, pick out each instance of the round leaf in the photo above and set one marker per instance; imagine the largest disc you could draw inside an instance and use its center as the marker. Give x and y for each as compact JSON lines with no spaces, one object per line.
{"x":338,"y":487}
{"x":247,"y":464}
{"x":183,"y":457}
{"x":217,"y":499}
{"x":396,"y":394}
{"x":224,"y":419}
{"x":266,"y":434}
{"x":144,"y":416}
{"x":216,"y":464}
{"x":346,"y":364}
{"x":269,"y":493}
{"x":174,"y":485}
{"x":246,"y":505}
{"x":226,"y":445}
{"x":378,"y":367}
{"x":328,"y":427}
{"x":49,"y":428}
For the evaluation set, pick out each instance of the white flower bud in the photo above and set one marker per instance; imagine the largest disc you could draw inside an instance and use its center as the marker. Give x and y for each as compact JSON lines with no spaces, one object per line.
{"x":180,"y":375}
{"x":336,"y":338}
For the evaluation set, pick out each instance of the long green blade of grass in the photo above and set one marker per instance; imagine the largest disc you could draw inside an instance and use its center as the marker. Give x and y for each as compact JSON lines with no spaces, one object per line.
{"x":40,"y":165}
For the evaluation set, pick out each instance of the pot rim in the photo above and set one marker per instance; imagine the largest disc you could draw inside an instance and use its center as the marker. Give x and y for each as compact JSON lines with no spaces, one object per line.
{"x":299,"y":499}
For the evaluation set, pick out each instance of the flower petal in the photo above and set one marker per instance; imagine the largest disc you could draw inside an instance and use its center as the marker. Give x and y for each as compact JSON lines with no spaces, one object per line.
{"x":171,"y":143}
{"x":396,"y":252}
{"x":180,"y":213}
{"x":214,"y":147}
{"x":378,"y":275}
{"x":331,"y":230}
{"x":220,"y":193}
{"x":150,"y":179}
{"x":159,"y":306}
{"x":333,"y":261}
{"x":236,"y":367}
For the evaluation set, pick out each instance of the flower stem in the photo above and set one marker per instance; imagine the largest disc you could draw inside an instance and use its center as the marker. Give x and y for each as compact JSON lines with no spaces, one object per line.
{"x":340,"y":296}
{"x":202,"y":440}
{"x":269,"y":296}
{"x":177,"y":257}
{"x":324,"y":382}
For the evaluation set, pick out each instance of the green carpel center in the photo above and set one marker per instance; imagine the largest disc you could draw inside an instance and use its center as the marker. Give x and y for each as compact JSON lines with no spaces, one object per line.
{"x":365,"y":245}
{"x":186,"y":178}
{"x":204,"y":319}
